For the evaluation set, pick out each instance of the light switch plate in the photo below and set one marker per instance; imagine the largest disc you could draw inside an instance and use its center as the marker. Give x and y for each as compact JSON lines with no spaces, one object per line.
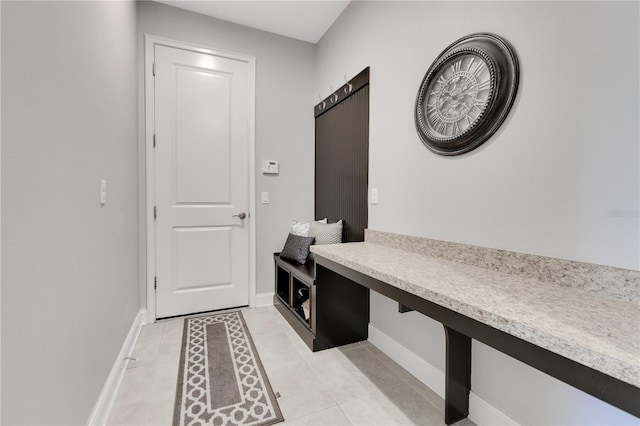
{"x":374,"y":195}
{"x":265,"y":198}
{"x":103,"y":192}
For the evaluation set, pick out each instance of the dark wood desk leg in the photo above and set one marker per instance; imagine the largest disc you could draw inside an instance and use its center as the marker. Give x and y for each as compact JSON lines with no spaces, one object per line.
{"x":457,"y":376}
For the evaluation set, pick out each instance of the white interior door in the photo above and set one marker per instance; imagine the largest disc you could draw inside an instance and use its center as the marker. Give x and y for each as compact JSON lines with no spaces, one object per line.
{"x":201,"y":181}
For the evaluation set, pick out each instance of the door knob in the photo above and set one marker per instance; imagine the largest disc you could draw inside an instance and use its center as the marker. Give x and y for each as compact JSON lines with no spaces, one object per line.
{"x":240,"y":215}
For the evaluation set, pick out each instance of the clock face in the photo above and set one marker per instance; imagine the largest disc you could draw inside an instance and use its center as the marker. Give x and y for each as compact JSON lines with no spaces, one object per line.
{"x":466,"y":94}
{"x":457,"y":96}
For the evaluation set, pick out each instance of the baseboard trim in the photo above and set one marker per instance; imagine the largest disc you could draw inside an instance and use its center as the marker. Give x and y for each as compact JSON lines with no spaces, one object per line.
{"x":264,"y":299}
{"x":484,"y":414}
{"x":144,"y":317}
{"x":480,"y":411}
{"x":425,"y":372}
{"x":104,"y":404}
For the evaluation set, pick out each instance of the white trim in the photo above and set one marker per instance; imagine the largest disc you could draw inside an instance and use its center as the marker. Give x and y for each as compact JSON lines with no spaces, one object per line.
{"x":253,"y":260}
{"x":104,"y":404}
{"x":263,"y":299}
{"x":149,"y":43}
{"x":149,"y":181}
{"x":425,"y":372}
{"x":481,"y":412}
{"x":484,"y":414}
{"x":144,"y":318}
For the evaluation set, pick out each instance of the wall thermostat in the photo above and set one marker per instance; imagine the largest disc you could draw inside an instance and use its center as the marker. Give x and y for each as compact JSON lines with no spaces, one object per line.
{"x":269,"y":167}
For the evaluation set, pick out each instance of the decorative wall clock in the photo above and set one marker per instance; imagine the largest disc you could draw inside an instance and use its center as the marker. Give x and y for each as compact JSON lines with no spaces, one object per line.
{"x":466,"y":94}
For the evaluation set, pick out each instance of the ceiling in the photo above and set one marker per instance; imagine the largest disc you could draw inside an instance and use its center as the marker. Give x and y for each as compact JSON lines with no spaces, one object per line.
{"x":305,"y":20}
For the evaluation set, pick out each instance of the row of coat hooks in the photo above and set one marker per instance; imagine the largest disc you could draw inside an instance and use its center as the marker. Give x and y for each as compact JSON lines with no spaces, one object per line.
{"x":348,"y":87}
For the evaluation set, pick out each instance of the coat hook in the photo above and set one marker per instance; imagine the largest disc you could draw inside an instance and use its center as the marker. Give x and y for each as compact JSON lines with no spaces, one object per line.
{"x":348,"y":84}
{"x":334,"y":97}
{"x":323,"y":103}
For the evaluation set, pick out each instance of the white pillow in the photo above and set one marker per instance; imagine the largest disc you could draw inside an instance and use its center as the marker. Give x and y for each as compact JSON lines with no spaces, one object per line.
{"x":326,"y":233}
{"x":302,"y":228}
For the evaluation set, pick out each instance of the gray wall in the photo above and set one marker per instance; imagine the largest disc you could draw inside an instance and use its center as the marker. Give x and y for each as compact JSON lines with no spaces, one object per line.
{"x":284,"y":117}
{"x":69,"y":266}
{"x":561,"y":177}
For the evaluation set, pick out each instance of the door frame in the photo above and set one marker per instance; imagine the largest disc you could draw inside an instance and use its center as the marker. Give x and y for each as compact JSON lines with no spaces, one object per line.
{"x":147,"y":177}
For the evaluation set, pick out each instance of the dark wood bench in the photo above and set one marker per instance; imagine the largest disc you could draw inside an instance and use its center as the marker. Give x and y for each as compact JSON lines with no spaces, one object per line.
{"x":320,"y":325}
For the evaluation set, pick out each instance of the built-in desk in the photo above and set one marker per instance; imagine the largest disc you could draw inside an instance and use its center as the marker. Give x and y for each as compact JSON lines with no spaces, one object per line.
{"x":586,"y":339}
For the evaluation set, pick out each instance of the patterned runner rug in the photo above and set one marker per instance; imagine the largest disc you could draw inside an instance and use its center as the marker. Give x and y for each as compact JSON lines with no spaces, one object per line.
{"x":221,"y":380}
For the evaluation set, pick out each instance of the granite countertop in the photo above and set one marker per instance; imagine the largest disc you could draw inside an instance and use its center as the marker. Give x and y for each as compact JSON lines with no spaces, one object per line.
{"x":599,"y":332}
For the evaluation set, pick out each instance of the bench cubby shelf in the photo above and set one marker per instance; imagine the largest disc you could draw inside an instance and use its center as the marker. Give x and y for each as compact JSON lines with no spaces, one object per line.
{"x":326,"y":304}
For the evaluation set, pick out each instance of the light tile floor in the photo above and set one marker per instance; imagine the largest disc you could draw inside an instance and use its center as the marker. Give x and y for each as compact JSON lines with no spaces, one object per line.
{"x":352,"y":385}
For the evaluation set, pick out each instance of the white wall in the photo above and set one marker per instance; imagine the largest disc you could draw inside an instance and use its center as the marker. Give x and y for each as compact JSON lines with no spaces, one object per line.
{"x":69,"y":266}
{"x":284,"y":117}
{"x":560,"y":178}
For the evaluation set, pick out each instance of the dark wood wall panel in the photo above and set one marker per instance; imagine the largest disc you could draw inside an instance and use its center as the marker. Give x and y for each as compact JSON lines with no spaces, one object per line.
{"x":342,"y":163}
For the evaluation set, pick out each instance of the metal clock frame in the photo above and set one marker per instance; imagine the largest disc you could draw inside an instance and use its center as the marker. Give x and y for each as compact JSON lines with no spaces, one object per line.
{"x":505,"y":71}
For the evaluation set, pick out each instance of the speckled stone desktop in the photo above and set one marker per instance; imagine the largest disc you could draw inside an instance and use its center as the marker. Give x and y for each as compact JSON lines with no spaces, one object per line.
{"x":587,"y":313}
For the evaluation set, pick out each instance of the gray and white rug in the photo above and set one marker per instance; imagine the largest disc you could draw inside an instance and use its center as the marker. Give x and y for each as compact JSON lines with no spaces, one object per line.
{"x":221,"y":380}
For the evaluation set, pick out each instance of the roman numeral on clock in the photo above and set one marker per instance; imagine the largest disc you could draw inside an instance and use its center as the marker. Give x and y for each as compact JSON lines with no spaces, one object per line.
{"x":479,"y":69}
{"x":485,"y":85}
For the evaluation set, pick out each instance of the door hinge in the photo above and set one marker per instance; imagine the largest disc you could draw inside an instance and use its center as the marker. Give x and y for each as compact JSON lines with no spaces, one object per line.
{"x":153,"y":69}
{"x":155,"y":283}
{"x":154,"y":140}
{"x":155,"y":212}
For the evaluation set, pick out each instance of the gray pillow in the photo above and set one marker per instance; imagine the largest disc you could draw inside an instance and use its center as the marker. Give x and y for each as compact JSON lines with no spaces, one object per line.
{"x":326,"y":233}
{"x":296,"y":248}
